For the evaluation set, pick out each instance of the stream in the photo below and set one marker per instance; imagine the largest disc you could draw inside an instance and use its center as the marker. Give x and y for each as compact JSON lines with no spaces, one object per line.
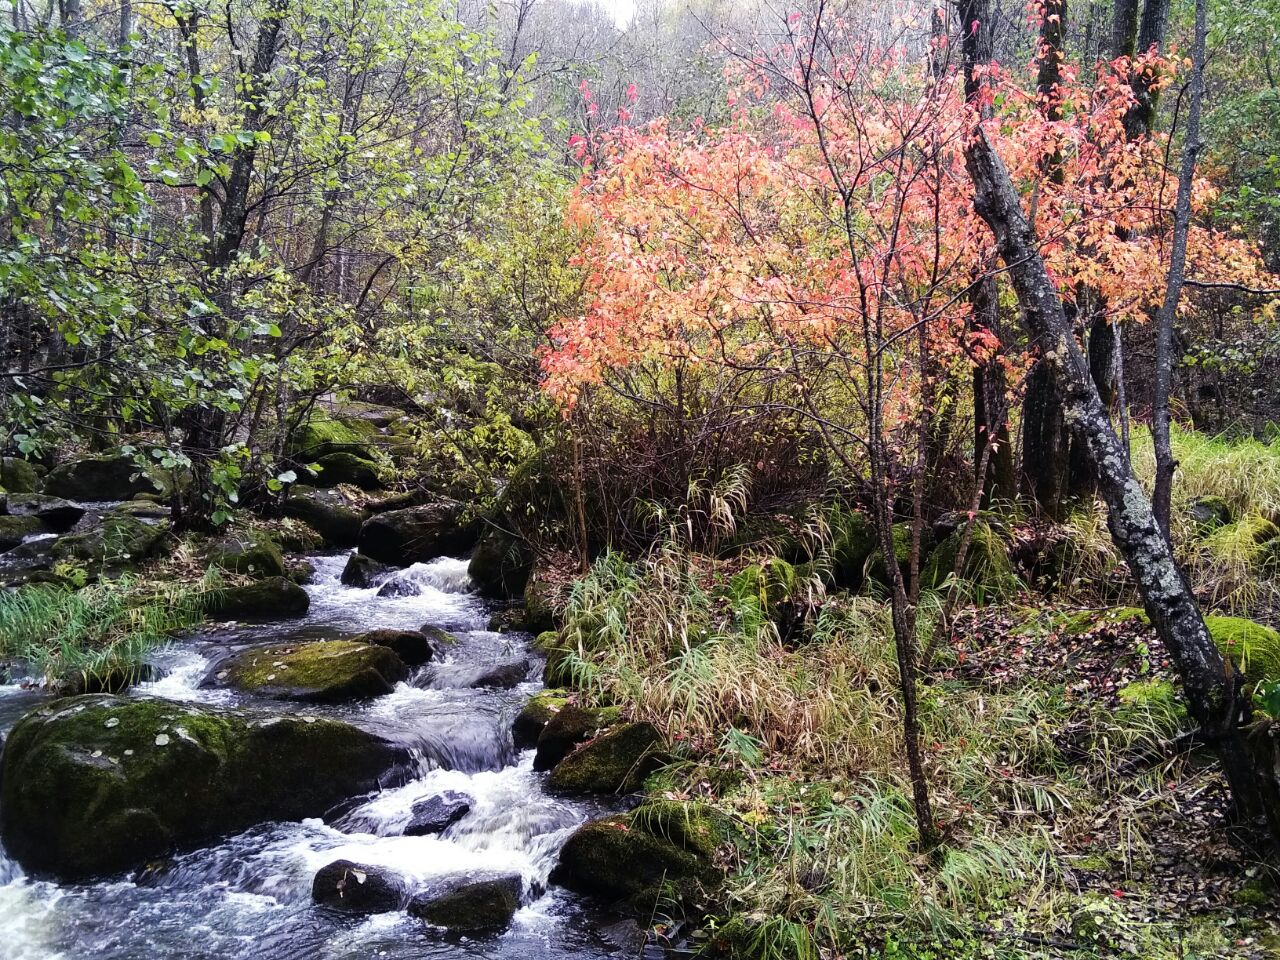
{"x":249,"y":896}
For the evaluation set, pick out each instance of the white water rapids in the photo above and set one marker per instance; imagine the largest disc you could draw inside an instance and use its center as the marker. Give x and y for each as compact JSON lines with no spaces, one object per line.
{"x":250,"y":895}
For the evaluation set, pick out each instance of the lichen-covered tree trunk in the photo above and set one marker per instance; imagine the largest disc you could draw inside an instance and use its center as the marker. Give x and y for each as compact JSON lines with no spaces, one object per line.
{"x":1213,"y":688}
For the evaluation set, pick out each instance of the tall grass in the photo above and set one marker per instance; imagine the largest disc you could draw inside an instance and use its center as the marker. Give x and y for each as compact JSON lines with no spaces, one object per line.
{"x":99,"y":635}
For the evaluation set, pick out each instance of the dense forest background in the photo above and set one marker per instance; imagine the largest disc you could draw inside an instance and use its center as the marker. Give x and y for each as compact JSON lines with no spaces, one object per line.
{"x":877,"y":399}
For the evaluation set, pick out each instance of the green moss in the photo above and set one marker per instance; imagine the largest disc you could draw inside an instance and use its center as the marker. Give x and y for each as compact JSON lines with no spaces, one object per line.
{"x":546,"y":641}
{"x":322,"y":435}
{"x":1252,"y":647}
{"x":853,"y":540}
{"x":97,"y":783}
{"x":274,"y":598}
{"x":251,"y":553}
{"x":534,"y":716}
{"x":119,"y":539}
{"x":324,"y":671}
{"x":695,"y":827}
{"x":475,"y":906}
{"x":987,"y":567}
{"x":14,"y":529}
{"x":617,"y":761}
{"x":18,"y":476}
{"x":344,"y":467}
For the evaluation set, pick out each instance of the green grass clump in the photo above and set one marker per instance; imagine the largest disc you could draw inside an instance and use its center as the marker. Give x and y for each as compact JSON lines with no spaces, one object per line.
{"x":99,"y":635}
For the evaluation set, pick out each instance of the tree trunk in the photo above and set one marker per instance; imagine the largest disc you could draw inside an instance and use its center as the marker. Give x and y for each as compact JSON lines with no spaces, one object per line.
{"x":1165,"y":464}
{"x":1213,"y":688}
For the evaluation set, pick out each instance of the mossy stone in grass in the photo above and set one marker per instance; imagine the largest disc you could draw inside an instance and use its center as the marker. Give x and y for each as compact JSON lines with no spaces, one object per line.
{"x":1209,"y":513}
{"x":98,"y":783}
{"x":411,"y":646}
{"x":274,"y":598}
{"x":1253,"y":647}
{"x":633,"y":857}
{"x":471,"y":906}
{"x":325,"y":671}
{"x":987,"y":566}
{"x":567,"y":728}
{"x":120,"y":538}
{"x":617,"y":761}
{"x":251,"y":553}
{"x":535,"y":715}
{"x":18,"y":476}
{"x":13,"y":530}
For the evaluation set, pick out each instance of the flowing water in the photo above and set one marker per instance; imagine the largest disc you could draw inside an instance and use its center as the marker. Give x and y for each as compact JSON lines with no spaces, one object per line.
{"x":250,"y":895}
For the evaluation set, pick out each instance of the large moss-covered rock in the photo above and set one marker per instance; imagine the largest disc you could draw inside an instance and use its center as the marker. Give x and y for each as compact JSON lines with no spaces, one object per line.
{"x":535,"y":715}
{"x":325,"y":671}
{"x":99,"y":783}
{"x":13,"y":530}
{"x":18,"y":476}
{"x":97,"y":478}
{"x":416,"y":534}
{"x":359,"y":889}
{"x":1209,"y":513}
{"x":274,"y":598}
{"x":250,"y":553}
{"x":569,"y":726}
{"x":327,"y":512}
{"x":617,"y":761}
{"x":119,"y":539}
{"x":987,"y":566}
{"x":853,"y":541}
{"x":55,"y":513}
{"x":411,"y":646}
{"x":470,"y":906}
{"x":336,"y":468}
{"x":500,"y":564}
{"x":1253,"y":647}
{"x":658,"y":849}
{"x":322,"y":435}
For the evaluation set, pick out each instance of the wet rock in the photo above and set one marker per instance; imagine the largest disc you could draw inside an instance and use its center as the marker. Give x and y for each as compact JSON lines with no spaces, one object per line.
{"x":500,"y":564}
{"x":416,"y":534}
{"x":327,"y":512}
{"x":274,"y":598}
{"x":97,"y":478}
{"x":326,"y":671}
{"x":96,"y":784}
{"x":437,"y":814}
{"x":535,"y":715}
{"x":411,"y":646}
{"x":300,"y":571}
{"x":55,"y":513}
{"x":567,"y":728}
{"x":336,"y":468}
{"x":13,"y":530}
{"x":18,"y":475}
{"x":118,"y":539}
{"x":396,"y":587}
{"x":504,"y":675}
{"x":356,"y":888}
{"x":470,"y":906}
{"x":29,"y":562}
{"x":617,"y":761}
{"x":438,"y":638}
{"x":250,"y":553}
{"x":362,"y":571}
{"x":143,"y":509}
{"x":661,"y":848}
{"x":1209,"y":513}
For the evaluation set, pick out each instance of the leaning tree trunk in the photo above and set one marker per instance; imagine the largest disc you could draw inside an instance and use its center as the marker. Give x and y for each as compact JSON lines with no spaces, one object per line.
{"x":1213,"y":687}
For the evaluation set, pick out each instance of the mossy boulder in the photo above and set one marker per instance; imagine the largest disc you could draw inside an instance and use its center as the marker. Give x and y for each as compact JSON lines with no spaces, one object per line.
{"x":987,"y":566}
{"x":338,"y":468}
{"x":535,"y":715}
{"x":325,"y":671}
{"x":358,"y":889}
{"x":251,"y":553}
{"x":416,"y":534}
{"x":18,"y":476}
{"x":95,"y":784}
{"x":96,"y":479}
{"x":876,"y":570}
{"x":568,"y":727}
{"x":118,"y":539}
{"x":1209,"y":513}
{"x":656,"y":850}
{"x":275,"y":598}
{"x":143,"y":509}
{"x":500,"y":564}
{"x":617,"y":761}
{"x":327,"y":512}
{"x":411,"y":646}
{"x":470,"y":906}
{"x":853,"y":541}
{"x":1253,"y":647}
{"x":363,"y":572}
{"x":322,"y":435}
{"x":13,"y":530}
{"x":55,"y":513}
